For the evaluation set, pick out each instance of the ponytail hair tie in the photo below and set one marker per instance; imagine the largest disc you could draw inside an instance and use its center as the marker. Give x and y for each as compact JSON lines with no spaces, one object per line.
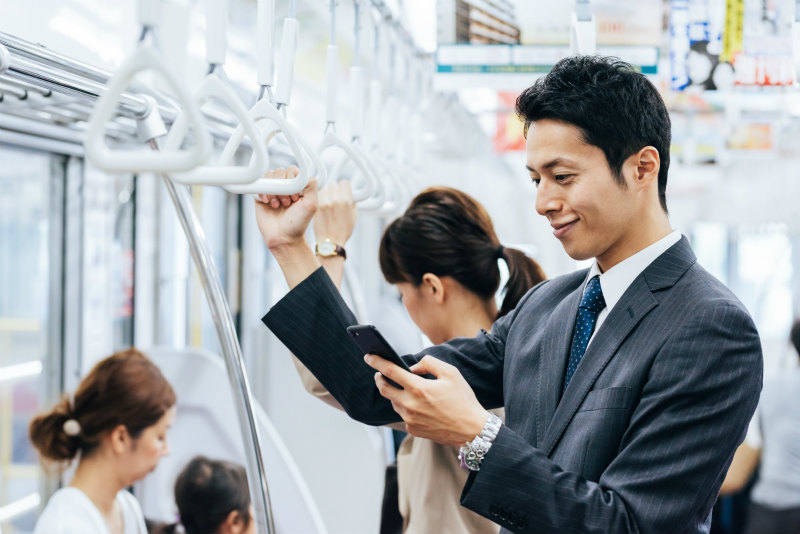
{"x":72,"y":427}
{"x":499,"y":252}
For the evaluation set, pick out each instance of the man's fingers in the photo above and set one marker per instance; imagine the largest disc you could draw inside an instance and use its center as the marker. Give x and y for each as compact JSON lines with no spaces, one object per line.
{"x":386,"y":389}
{"x":430,"y":365}
{"x":389,"y":370}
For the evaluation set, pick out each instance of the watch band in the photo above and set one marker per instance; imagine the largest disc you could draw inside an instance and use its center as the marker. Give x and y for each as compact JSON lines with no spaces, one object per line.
{"x":341,"y":252}
{"x":472,"y":453}
{"x":327,"y":249}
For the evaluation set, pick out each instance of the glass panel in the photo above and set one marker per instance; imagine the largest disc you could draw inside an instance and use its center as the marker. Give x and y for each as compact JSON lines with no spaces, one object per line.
{"x":107,"y":303}
{"x":765,"y":278}
{"x":25,"y":270}
{"x":213,"y":208}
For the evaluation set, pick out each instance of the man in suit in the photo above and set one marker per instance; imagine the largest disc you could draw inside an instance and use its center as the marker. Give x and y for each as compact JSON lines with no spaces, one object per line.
{"x":627,"y":386}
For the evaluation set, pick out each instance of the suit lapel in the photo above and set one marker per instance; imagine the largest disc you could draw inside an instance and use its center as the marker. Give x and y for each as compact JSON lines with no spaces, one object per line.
{"x":636,"y":302}
{"x":554,"y":355}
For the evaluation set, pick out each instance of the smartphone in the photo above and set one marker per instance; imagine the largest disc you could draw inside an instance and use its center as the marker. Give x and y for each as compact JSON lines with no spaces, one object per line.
{"x":370,"y":341}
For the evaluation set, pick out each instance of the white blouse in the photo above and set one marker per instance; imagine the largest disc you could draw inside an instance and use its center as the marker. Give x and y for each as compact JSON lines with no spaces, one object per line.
{"x":70,"y":511}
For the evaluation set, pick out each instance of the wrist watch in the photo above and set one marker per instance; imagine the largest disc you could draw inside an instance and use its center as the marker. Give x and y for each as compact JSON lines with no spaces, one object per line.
{"x":472,"y":453}
{"x":327,"y":249}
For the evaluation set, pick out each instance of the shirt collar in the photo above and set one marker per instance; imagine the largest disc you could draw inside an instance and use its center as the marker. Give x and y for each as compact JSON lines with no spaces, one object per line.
{"x":616,"y":280}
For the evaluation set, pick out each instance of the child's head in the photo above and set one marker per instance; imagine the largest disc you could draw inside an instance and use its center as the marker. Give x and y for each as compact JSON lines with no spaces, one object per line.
{"x":213,"y":498}
{"x":121,"y":410}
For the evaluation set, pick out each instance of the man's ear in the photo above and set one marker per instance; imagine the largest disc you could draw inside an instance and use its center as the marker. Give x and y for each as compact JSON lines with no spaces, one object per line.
{"x":647,"y":163}
{"x":433,"y":287}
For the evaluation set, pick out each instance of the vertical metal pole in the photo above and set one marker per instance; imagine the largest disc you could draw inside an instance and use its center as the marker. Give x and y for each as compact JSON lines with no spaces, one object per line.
{"x":231,"y":350}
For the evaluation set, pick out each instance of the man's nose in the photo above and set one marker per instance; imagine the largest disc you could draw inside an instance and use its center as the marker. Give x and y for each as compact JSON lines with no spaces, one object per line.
{"x":546,"y":198}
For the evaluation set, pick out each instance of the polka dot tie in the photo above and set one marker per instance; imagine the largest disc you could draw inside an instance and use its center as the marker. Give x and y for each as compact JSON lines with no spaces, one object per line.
{"x":591,"y":305}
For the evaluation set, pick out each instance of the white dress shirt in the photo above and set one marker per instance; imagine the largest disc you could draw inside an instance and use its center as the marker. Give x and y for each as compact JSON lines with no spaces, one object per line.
{"x":617,"y":279}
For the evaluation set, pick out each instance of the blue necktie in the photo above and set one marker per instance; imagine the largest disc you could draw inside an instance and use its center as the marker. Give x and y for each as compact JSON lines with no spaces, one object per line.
{"x":591,"y":305}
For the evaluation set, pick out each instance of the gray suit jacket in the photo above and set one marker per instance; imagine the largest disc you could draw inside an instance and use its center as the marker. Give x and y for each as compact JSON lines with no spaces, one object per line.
{"x":643,"y":436}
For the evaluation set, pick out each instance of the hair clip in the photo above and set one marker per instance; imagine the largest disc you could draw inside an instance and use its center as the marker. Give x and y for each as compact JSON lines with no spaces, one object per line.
{"x":72,"y":427}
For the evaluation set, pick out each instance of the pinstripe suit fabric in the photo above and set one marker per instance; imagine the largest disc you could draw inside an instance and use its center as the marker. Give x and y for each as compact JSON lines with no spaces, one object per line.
{"x":645,"y":431}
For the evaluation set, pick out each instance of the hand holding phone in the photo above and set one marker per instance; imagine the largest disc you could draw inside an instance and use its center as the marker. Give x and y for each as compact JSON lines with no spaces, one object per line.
{"x":370,"y":341}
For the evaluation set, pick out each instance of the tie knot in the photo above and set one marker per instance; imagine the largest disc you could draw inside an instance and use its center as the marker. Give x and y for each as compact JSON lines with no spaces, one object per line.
{"x":593,"y":296}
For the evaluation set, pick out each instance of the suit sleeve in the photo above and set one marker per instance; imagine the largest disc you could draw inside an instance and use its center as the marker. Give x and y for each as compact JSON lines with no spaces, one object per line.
{"x":311,"y":320}
{"x":701,"y":391}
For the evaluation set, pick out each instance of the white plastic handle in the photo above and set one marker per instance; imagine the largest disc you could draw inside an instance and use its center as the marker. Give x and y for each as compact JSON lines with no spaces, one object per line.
{"x":378,"y":198}
{"x":357,"y":107}
{"x":216,"y":31}
{"x":397,"y":194}
{"x":377,"y":195}
{"x":389,"y":123}
{"x":375,"y":98}
{"x":354,"y":154}
{"x":265,"y":29}
{"x":149,"y":12}
{"x":262,"y":114}
{"x":331,"y":91}
{"x":283,"y":83}
{"x":5,"y":59}
{"x":164,"y":161}
{"x":583,"y":38}
{"x":214,"y":88}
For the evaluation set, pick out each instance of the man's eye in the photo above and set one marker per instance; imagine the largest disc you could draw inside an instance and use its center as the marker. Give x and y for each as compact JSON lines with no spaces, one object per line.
{"x":536,"y":181}
{"x":562,"y":177}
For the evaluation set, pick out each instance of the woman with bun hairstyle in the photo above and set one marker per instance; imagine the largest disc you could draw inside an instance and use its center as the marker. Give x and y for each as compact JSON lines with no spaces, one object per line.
{"x":116,"y":424}
{"x":442,"y":254}
{"x":212,"y":498}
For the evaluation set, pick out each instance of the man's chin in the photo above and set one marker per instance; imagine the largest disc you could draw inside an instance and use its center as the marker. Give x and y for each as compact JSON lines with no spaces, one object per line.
{"x":579,"y":254}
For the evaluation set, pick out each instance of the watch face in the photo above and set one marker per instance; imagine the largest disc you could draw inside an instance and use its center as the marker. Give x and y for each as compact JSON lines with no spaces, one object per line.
{"x":326,"y":248}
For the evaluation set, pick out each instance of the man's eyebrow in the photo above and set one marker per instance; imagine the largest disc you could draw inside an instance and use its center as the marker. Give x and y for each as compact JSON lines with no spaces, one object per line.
{"x":550,"y":164}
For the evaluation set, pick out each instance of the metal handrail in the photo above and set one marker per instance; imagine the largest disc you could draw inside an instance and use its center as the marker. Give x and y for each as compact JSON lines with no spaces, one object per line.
{"x":231,"y":350}
{"x":151,"y":127}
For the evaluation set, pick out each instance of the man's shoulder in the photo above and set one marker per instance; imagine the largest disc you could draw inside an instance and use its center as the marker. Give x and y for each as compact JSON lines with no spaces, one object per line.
{"x":707,"y":291}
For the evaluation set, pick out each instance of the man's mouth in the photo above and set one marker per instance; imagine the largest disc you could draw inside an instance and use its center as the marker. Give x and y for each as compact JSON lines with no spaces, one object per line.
{"x":560,"y":229}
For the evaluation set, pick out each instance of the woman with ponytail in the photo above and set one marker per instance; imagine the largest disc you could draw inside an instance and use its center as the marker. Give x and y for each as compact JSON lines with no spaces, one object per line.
{"x":446,"y":240}
{"x":442,"y":254}
{"x":116,"y":426}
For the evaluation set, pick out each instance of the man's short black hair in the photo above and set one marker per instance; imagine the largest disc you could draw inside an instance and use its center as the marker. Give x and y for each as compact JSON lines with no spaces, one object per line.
{"x":615,"y":107}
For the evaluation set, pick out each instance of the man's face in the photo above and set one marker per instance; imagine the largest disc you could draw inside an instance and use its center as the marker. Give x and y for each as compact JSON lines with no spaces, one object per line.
{"x":591,"y":213}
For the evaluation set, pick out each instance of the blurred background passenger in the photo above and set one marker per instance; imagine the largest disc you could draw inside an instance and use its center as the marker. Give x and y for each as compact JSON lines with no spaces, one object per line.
{"x":772,"y":444}
{"x":116,"y":425}
{"x":212,"y":498}
{"x":442,"y":255}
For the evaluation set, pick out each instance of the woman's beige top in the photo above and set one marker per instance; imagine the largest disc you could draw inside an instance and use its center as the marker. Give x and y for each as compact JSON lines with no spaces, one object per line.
{"x":429,"y":480}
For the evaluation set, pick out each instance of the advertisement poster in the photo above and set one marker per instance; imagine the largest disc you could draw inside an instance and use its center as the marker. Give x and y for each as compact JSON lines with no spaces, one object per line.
{"x":529,"y":36}
{"x":716,"y":44}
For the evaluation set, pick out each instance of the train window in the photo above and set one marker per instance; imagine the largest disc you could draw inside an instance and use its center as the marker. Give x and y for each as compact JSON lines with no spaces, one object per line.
{"x":106,"y":266}
{"x":219,"y":218}
{"x":30,"y":263}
